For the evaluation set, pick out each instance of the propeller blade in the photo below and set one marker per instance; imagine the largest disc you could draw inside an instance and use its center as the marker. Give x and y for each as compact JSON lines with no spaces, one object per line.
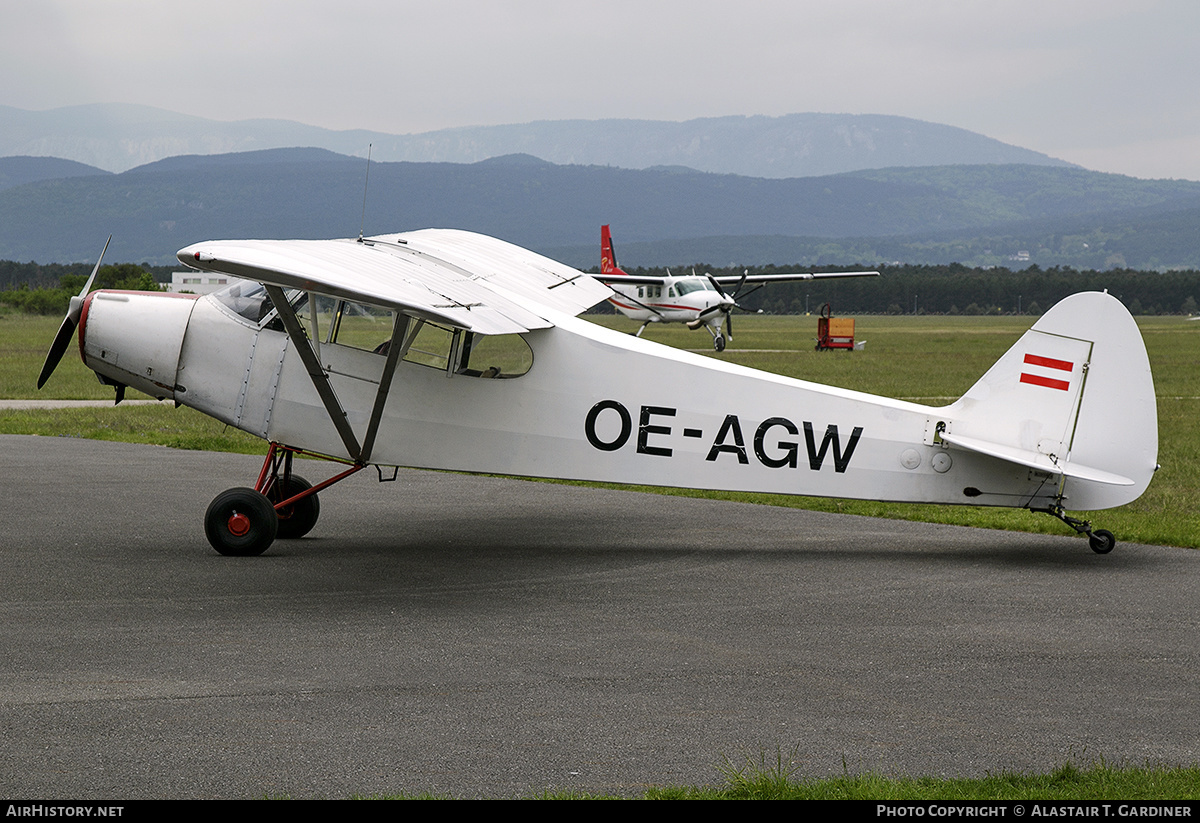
{"x":67,"y":330}
{"x":57,"y":349}
{"x":742,"y":282}
{"x":716,"y":284}
{"x":77,"y":308}
{"x":729,"y":324}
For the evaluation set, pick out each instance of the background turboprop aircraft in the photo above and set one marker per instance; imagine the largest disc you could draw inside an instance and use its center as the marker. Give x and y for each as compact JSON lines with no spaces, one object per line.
{"x":697,"y":300}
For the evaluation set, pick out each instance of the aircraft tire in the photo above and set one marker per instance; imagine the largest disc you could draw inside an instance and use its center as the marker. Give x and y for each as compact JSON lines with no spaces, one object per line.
{"x":1102,"y":541}
{"x":297,"y":519}
{"x":240,"y":523}
{"x":719,"y":343}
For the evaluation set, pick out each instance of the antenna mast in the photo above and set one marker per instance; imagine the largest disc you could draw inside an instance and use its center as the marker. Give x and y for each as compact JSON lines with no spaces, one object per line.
{"x":363,"y":224}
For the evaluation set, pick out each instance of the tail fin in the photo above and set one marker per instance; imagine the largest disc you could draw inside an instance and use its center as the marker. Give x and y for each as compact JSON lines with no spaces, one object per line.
{"x":1075,"y":398}
{"x":608,"y":258}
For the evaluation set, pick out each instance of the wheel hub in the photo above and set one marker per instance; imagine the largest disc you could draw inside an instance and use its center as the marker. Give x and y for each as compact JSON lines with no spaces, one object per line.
{"x":239,"y":524}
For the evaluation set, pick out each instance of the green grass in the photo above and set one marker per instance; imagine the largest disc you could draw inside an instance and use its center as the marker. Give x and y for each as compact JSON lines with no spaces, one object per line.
{"x":930,"y":359}
{"x":774,"y":778}
{"x":767,"y":780}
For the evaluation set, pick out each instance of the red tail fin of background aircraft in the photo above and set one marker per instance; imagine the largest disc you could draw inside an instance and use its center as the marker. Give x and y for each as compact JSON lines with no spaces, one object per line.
{"x":608,"y":258}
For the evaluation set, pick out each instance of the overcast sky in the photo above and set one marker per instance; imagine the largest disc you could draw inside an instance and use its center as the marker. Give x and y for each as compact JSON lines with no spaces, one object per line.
{"x":1109,"y":84}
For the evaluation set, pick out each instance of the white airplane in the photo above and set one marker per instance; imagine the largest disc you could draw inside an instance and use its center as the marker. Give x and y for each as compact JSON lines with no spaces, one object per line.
{"x":699,"y":301}
{"x":451,"y":350}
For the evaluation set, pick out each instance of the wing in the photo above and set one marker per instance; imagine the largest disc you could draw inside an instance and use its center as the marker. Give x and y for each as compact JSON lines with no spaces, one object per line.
{"x":457,"y":278}
{"x":620,"y":278}
{"x":733,"y":280}
{"x":729,"y":279}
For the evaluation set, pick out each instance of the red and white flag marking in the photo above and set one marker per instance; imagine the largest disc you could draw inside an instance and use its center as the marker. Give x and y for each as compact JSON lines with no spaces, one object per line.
{"x":1049,"y":372}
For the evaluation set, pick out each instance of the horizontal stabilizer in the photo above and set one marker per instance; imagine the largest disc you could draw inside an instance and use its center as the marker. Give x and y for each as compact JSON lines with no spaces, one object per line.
{"x":1034,"y":460}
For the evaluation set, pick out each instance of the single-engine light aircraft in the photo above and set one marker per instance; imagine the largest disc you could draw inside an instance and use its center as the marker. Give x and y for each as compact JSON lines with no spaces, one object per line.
{"x":450,"y":350}
{"x":700,"y":301}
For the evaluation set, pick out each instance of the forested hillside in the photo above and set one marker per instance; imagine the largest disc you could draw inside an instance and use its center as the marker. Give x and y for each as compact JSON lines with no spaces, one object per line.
{"x":977,"y":215}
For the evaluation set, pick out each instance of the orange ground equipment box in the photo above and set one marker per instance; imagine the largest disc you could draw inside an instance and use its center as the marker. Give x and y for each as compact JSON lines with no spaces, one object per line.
{"x":834,"y":332}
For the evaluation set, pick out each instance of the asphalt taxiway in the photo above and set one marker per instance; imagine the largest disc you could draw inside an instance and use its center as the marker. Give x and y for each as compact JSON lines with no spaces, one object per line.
{"x":479,"y":636}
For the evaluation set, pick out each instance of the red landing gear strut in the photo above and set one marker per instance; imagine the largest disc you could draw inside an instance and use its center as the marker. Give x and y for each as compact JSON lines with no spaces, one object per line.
{"x":244,"y":522}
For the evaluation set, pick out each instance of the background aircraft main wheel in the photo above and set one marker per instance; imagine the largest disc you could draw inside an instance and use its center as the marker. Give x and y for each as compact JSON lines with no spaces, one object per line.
{"x":719,"y":343}
{"x":240,"y":523}
{"x":297,"y":519}
{"x":1102,"y":541}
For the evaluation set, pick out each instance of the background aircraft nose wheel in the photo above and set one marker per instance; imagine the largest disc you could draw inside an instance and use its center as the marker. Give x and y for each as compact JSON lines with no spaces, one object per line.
{"x":297,"y":519}
{"x":240,"y":523}
{"x":719,"y":343}
{"x":1102,"y":541}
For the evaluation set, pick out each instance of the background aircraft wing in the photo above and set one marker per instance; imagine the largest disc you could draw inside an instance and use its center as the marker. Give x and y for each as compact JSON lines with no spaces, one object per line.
{"x":733,"y":280}
{"x":631,"y":279}
{"x":456,"y":278}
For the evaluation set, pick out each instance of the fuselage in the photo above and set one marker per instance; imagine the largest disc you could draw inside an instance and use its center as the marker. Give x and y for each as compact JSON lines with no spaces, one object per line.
{"x":677,"y":300}
{"x":583,"y":402}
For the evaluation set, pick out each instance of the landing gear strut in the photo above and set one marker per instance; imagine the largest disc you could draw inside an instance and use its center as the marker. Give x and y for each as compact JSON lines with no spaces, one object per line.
{"x":1101,"y":541}
{"x":244,"y":522}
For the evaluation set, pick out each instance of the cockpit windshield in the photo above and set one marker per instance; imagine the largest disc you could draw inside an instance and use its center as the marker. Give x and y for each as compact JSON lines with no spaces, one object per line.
{"x":692,"y":284}
{"x":250,"y":300}
{"x":247,"y":299}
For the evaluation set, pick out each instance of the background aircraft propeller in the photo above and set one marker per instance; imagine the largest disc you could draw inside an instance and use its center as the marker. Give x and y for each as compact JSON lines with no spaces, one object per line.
{"x":729,"y":303}
{"x":67,"y":330}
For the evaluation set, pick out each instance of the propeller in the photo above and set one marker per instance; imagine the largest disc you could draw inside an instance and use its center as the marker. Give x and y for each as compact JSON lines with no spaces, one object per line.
{"x":729,"y":303}
{"x":67,"y":330}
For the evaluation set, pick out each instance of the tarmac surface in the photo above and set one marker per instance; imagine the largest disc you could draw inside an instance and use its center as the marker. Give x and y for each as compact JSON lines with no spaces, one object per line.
{"x":477,"y":636}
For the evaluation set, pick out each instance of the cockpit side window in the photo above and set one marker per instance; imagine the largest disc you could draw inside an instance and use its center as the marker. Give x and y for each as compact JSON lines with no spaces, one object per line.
{"x":329,"y":320}
{"x":495,"y":355}
{"x":356,"y":325}
{"x":459,"y":352}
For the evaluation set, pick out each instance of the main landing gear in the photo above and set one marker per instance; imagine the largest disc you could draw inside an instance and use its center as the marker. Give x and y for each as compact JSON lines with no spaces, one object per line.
{"x":1102,"y":541}
{"x":244,"y":522}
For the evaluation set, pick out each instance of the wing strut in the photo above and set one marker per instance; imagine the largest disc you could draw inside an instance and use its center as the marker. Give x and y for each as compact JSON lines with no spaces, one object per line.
{"x":337,"y":415}
{"x":404,"y":328}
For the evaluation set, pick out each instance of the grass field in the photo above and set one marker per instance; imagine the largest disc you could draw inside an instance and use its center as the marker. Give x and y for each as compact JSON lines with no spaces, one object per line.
{"x":929,"y":359}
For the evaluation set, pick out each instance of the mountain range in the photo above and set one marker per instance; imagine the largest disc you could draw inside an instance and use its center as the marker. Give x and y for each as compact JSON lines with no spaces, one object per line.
{"x":118,"y":137}
{"x":988,"y":208}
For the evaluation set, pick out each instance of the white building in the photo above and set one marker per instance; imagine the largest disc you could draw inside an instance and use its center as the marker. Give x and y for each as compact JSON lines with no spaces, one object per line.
{"x":195,"y":282}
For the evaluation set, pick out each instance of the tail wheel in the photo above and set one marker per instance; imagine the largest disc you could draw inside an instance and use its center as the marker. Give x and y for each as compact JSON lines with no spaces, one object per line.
{"x":240,"y":523}
{"x":297,"y":519}
{"x":1102,"y":541}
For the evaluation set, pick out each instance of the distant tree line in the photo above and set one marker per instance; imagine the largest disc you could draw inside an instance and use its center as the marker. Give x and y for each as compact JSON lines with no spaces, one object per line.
{"x":958,"y":289}
{"x":900,"y":289}
{"x":48,"y":289}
